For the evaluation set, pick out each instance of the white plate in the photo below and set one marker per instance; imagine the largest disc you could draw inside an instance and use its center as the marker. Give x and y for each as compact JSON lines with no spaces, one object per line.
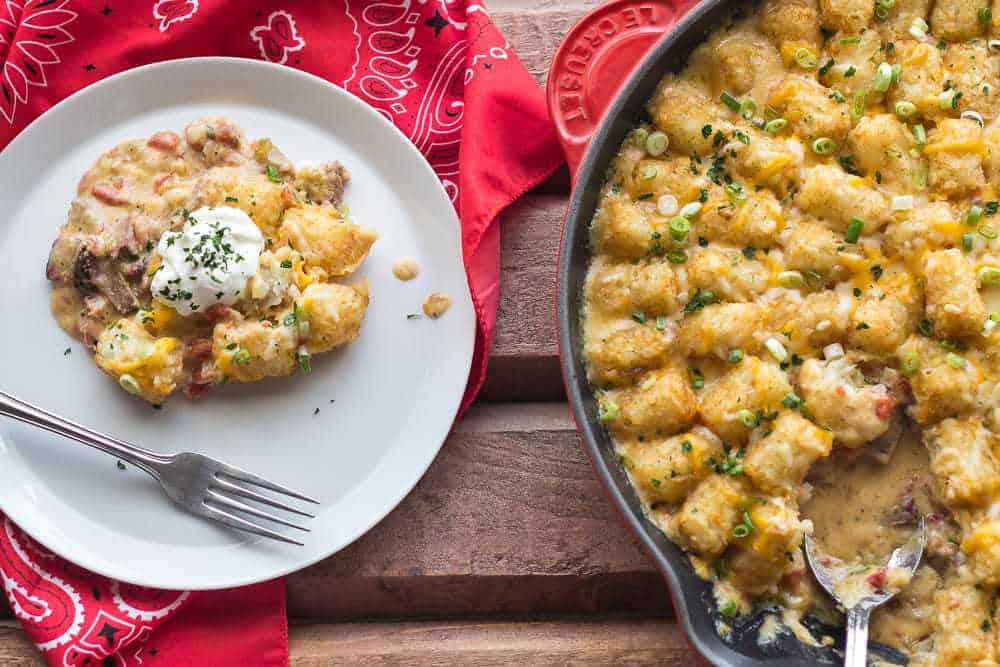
{"x":386,"y":402}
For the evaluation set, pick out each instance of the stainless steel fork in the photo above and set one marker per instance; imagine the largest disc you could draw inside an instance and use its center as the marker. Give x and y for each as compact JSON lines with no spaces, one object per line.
{"x":199,"y":484}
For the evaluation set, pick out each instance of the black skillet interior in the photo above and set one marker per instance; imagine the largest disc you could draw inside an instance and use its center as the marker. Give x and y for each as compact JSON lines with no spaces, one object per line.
{"x":692,"y":596}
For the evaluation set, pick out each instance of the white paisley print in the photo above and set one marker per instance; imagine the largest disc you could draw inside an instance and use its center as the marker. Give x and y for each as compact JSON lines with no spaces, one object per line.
{"x":31,"y":34}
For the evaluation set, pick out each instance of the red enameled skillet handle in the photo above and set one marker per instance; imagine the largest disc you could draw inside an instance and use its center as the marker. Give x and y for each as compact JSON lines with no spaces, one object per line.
{"x":596,"y":58}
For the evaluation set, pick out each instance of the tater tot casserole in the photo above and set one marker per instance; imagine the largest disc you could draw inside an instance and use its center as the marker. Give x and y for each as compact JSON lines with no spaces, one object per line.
{"x":192,"y":259}
{"x":790,"y":313}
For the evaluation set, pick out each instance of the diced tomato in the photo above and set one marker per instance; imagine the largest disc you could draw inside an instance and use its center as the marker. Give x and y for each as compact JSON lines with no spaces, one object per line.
{"x":884,"y":406}
{"x":165,"y":141}
{"x":840,"y":391}
{"x":109,"y":194}
{"x":878,"y":579}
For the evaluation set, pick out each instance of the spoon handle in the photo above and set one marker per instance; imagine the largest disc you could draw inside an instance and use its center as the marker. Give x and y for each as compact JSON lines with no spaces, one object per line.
{"x":856,"y":654}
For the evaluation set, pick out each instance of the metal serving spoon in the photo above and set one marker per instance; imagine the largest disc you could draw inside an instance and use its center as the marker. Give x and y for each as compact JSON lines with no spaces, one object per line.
{"x":906,"y":557}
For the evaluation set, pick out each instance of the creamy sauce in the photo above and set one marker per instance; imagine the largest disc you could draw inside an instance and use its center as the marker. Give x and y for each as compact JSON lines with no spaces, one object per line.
{"x":436,"y":304}
{"x":405,"y":268}
{"x":208,"y":261}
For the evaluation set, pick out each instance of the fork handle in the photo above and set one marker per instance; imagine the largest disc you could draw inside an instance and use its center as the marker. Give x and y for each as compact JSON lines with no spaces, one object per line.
{"x":25,"y":412}
{"x":856,"y":654}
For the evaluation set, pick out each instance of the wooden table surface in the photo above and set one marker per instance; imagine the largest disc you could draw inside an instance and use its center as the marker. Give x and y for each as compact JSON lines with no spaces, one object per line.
{"x":508,"y":550}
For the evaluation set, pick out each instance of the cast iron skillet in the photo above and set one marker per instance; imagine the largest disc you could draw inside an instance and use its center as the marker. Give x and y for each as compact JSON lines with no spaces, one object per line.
{"x":595,"y":69}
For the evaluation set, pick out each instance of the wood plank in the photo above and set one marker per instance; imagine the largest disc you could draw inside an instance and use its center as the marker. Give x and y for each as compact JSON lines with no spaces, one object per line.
{"x":597,"y":643}
{"x":15,"y":649}
{"x":509,"y":520}
{"x":594,"y":643}
{"x":524,"y":362}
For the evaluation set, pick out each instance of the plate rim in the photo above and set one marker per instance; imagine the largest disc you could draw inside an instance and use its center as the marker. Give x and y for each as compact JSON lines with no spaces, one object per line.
{"x":466,"y":352}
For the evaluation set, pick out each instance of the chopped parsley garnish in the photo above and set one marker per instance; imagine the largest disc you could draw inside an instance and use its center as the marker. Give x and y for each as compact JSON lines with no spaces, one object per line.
{"x":686,"y":446}
{"x":286,"y":263}
{"x":749,"y":252}
{"x":827,"y":67}
{"x":702,"y":241}
{"x":742,"y":137}
{"x":697,"y":378}
{"x":233,"y":200}
{"x":703,"y":197}
{"x":792,"y":401}
{"x":851,"y":71}
{"x":847,"y":163}
{"x":990,"y":208}
{"x":876,"y":270}
{"x":67,"y":352}
{"x":706,"y":131}
{"x":924,"y":328}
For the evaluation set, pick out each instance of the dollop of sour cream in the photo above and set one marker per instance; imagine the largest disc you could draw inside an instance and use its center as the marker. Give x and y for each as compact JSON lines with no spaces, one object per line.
{"x":208,"y":261}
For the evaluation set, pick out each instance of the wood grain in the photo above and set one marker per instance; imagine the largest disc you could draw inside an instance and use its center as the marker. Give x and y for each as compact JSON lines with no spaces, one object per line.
{"x":593,"y":643}
{"x":509,"y":520}
{"x":535,"y":34}
{"x":524,"y":362}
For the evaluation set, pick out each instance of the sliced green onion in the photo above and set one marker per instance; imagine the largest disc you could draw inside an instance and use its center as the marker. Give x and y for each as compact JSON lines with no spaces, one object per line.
{"x":881,"y":13}
{"x":730,"y":101}
{"x":814,"y":280}
{"x":735,"y":356}
{"x":948,"y":99}
{"x":691,"y":209}
{"x":824,"y":146}
{"x":679,"y":228}
{"x":666,"y":205}
{"x":854,"y":228}
{"x":897,"y":71}
{"x":790,"y":279}
{"x":792,"y":401}
{"x":747,"y":418}
{"x":919,"y":134}
{"x":967,"y":239}
{"x":987,"y":232}
{"x":735,"y":193}
{"x":919,"y":28}
{"x":858,"y":103}
{"x":697,"y":378}
{"x":676,"y":256}
{"x":883,"y":78}
{"x":241,"y":357}
{"x":661,"y":322}
{"x":649,"y":172}
{"x":657,"y":143}
{"x":920,"y":177}
{"x":739,"y":531}
{"x":776,"y":349}
{"x":301,"y":320}
{"x":639,"y":136}
{"x":805,"y":58}
{"x":747,"y":108}
{"x":607,"y":411}
{"x":273,"y":174}
{"x":905,"y":109}
{"x":955,"y":361}
{"x":854,"y":39}
{"x":909,"y":363}
{"x":989,"y":275}
{"x":775,"y":126}
{"x":639,"y":316}
{"x":985,"y":14}
{"x":129,"y":384}
{"x":974,"y":215}
{"x":305,"y":360}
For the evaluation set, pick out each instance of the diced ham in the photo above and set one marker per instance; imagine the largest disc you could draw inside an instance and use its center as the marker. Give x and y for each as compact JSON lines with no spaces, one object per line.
{"x":218,"y":312}
{"x":198,"y":350}
{"x":109,"y":194}
{"x":165,"y":141}
{"x":884,"y":406}
{"x":160,"y":180}
{"x":792,"y":580}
